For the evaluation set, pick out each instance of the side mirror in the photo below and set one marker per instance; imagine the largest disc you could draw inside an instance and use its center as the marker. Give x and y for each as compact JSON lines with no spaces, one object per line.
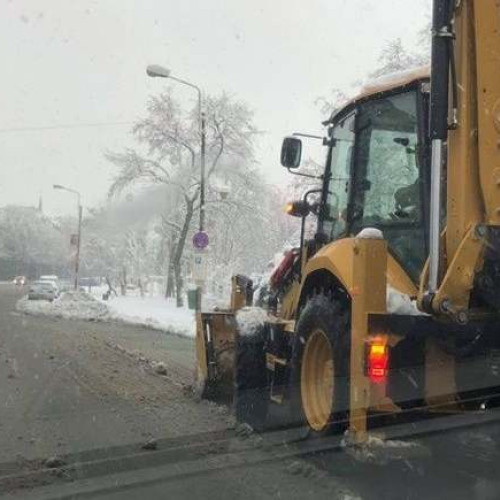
{"x":291,"y":151}
{"x":298,"y":208}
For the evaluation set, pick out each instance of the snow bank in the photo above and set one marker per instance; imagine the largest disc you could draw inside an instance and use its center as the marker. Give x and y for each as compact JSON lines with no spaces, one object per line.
{"x":249,"y":320}
{"x":400,"y":303}
{"x":154,"y":312}
{"x":70,"y":305}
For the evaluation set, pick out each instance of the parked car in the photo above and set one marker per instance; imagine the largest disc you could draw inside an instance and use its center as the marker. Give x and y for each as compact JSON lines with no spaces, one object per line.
{"x":65,"y":285}
{"x":52,"y":279}
{"x":48,"y":277}
{"x":43,"y":290}
{"x":89,"y":281}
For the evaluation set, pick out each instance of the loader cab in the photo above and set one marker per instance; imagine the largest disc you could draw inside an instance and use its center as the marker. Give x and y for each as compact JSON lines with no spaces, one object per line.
{"x":376,"y":172}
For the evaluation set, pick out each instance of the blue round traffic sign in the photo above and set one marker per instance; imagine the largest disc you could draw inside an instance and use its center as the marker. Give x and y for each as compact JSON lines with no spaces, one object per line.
{"x":200,"y":240}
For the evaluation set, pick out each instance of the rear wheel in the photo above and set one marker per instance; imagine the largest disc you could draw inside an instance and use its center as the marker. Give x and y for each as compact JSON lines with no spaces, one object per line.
{"x":320,"y":366}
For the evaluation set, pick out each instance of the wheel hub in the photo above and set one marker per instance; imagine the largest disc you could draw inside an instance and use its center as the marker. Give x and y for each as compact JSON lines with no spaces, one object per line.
{"x":317,"y":380}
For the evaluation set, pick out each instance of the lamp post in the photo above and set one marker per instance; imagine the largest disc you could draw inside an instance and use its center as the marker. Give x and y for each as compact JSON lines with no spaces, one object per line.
{"x":80,"y":210}
{"x":156,"y":71}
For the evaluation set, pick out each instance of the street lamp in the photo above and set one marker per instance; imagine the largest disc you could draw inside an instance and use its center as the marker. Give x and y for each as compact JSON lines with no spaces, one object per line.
{"x":156,"y":71}
{"x":77,"y":259}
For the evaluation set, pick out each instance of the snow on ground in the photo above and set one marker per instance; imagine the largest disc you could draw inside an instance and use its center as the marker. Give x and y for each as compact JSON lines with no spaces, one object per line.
{"x":70,"y":305}
{"x":377,"y":450}
{"x":155,"y":312}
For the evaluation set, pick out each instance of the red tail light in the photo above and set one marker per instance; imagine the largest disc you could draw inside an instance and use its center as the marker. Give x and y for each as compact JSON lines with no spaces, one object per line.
{"x":378,"y":362}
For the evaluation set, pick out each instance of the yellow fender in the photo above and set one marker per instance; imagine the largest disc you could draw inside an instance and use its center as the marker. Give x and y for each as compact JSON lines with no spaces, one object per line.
{"x":337,"y":260}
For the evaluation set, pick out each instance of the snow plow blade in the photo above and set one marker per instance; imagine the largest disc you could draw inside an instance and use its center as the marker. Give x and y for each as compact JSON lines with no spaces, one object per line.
{"x":215,"y":343}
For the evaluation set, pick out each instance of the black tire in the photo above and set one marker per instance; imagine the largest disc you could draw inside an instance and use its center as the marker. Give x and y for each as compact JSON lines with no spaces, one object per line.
{"x":251,"y":392}
{"x":332,"y":316}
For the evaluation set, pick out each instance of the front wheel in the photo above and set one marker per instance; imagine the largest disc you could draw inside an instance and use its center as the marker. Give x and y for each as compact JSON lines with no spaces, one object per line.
{"x":320,"y":366}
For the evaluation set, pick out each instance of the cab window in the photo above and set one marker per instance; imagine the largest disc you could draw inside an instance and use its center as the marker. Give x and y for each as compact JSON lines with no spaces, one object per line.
{"x":388,"y":191}
{"x":335,"y":218}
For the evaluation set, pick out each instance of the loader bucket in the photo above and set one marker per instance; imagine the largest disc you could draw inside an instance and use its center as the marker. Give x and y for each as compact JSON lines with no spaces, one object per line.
{"x":215,"y":347}
{"x":215,"y":343}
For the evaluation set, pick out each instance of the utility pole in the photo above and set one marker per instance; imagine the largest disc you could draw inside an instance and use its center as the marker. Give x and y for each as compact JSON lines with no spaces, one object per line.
{"x":202,"y":168}
{"x":77,"y":259}
{"x":79,"y":235}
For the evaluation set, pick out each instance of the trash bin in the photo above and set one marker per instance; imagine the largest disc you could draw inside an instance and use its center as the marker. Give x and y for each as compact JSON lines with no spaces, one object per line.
{"x":192,"y":298}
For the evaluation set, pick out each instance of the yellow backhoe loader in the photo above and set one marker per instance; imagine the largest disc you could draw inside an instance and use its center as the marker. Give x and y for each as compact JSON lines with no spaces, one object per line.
{"x":394,"y":305}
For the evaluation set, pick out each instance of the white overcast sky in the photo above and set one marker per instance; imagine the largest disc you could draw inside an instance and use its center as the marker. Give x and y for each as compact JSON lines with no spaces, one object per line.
{"x":71,"y":62}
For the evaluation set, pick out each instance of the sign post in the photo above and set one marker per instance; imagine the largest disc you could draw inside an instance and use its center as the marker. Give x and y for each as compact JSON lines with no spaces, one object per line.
{"x":200,"y":243}
{"x":200,"y":266}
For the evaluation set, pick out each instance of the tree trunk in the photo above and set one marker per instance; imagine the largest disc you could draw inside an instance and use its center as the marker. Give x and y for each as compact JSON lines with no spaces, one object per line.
{"x":170,"y":290}
{"x":179,"y":251}
{"x":110,"y":286}
{"x":178,"y":286}
{"x":123,"y":281}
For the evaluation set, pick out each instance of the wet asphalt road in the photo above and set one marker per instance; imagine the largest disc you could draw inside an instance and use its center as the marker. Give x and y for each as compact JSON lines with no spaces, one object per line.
{"x":70,"y":389}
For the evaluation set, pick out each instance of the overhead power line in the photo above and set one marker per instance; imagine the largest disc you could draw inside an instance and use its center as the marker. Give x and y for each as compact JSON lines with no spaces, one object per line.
{"x":62,"y":127}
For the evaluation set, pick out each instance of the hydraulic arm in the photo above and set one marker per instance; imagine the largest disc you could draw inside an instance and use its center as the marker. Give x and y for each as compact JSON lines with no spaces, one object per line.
{"x":465,"y":142}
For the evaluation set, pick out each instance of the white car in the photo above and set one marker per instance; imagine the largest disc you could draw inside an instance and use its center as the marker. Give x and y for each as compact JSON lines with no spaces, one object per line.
{"x":49,"y":277}
{"x":43,"y":290}
{"x":52,"y":279}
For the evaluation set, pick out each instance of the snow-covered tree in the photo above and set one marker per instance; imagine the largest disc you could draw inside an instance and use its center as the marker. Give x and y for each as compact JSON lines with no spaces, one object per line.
{"x":394,"y":57}
{"x":167,"y":153}
{"x":33,"y":241}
